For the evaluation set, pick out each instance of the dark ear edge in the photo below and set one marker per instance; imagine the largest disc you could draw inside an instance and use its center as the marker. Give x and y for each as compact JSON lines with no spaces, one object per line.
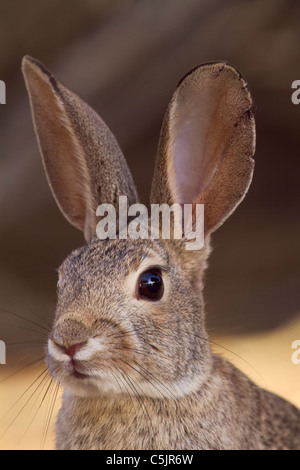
{"x":83,"y":162}
{"x":207,"y":143}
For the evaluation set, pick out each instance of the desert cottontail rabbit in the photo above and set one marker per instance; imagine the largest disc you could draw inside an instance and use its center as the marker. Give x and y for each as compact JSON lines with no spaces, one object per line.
{"x":129,"y":343}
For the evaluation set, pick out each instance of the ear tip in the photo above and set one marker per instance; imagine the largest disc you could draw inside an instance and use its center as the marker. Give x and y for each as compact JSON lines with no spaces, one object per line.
{"x":33,"y":70}
{"x":203,"y":65}
{"x":29,"y":64}
{"x":215,"y":68}
{"x":26,"y":58}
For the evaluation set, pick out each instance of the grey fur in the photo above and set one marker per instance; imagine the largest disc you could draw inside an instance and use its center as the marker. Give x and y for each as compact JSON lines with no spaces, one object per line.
{"x":160,"y":386}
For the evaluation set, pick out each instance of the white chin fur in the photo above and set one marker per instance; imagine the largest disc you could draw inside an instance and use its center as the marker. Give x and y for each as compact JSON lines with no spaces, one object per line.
{"x":89,"y":387}
{"x":98,"y":385}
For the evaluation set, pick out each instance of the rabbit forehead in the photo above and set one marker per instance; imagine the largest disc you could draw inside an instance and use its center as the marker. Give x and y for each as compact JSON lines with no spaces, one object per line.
{"x":112,"y":259}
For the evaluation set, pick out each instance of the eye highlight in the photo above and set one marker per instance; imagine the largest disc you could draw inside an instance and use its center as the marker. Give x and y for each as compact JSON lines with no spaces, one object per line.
{"x":151,"y":285}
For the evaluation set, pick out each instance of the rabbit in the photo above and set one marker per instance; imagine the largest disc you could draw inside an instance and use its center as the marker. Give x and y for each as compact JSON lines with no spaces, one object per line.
{"x":129,"y":344}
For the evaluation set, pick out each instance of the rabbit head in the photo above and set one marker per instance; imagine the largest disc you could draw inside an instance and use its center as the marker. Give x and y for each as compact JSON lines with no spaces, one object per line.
{"x":130,"y":312}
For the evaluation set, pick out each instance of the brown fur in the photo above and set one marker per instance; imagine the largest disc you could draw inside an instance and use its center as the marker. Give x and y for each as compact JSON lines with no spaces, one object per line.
{"x":151,"y":380}
{"x":74,"y":141}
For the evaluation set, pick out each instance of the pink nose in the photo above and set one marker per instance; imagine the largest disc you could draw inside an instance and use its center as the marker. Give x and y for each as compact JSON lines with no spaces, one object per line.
{"x":73,"y":349}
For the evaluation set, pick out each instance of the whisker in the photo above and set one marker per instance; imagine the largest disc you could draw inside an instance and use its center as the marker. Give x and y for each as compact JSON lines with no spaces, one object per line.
{"x":175,"y":400}
{"x":41,"y":386}
{"x":43,"y":320}
{"x":26,"y":328}
{"x":202,"y":338}
{"x":143,"y":376}
{"x":168,"y":390}
{"x":41,"y":378}
{"x":132,"y":384}
{"x":35,"y":342}
{"x":25,"y":319}
{"x":225,"y":349}
{"x":136,"y":394}
{"x":124,"y":388}
{"x":36,"y":361}
{"x":127,"y":348}
{"x":50,"y":412}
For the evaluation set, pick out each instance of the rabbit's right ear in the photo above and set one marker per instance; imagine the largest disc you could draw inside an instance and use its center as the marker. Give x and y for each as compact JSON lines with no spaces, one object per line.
{"x":207,"y":143}
{"x":83,"y":162}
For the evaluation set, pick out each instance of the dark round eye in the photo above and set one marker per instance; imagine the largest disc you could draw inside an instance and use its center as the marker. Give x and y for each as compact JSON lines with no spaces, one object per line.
{"x":151,"y":285}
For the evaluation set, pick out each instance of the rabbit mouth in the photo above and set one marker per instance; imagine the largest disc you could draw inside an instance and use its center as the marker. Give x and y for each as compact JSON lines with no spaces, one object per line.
{"x":75,"y":378}
{"x":70,"y":369}
{"x":64,"y":365}
{"x":76,"y":371}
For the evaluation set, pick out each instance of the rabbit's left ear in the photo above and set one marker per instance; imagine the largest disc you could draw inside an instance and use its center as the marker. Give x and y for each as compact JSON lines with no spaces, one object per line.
{"x":206,"y":144}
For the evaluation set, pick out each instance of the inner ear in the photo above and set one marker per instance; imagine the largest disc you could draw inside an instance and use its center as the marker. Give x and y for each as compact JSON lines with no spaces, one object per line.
{"x":207,"y":144}
{"x":204,"y":116}
{"x":198,"y":140}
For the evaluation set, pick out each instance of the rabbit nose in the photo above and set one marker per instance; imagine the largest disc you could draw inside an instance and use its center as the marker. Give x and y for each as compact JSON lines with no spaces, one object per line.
{"x":70,"y":335}
{"x":72,"y":349}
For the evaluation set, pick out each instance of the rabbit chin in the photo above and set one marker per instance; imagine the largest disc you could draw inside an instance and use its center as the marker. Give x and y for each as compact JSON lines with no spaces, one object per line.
{"x":112,"y":385}
{"x":90,"y":386}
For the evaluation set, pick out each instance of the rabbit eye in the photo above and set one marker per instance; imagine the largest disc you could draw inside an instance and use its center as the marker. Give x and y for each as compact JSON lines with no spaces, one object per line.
{"x":151,"y":285}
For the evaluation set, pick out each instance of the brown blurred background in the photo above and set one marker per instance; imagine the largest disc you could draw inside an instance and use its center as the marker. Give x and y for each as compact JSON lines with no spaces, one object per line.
{"x":124,"y":58}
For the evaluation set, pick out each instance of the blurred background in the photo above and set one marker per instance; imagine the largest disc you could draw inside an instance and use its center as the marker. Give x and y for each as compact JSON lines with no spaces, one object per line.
{"x":124,"y":58}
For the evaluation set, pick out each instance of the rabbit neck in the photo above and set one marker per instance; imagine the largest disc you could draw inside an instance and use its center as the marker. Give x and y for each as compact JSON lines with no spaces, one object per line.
{"x":129,"y":422}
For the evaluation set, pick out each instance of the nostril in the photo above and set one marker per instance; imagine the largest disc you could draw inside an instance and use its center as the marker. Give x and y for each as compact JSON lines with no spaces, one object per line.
{"x":71,"y":349}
